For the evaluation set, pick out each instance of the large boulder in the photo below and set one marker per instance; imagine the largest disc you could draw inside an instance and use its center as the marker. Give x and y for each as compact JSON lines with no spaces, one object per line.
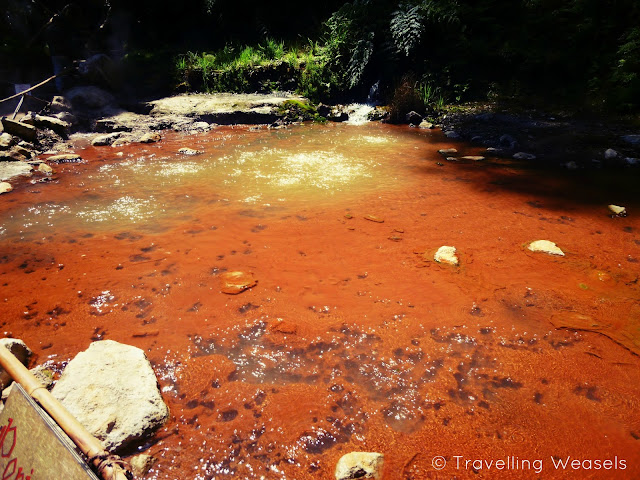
{"x":89,"y":97}
{"x":112,"y":390}
{"x":52,"y":123}
{"x":19,"y":129}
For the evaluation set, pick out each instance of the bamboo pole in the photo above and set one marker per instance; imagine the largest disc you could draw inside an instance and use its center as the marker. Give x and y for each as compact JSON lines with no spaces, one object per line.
{"x":109,"y":467}
{"x":29,"y":89}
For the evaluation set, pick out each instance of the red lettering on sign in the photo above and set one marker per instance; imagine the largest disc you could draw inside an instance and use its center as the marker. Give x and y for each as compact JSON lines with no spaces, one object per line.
{"x":4,"y":433}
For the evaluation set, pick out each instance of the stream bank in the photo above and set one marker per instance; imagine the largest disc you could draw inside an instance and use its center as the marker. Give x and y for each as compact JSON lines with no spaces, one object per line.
{"x":90,"y":115}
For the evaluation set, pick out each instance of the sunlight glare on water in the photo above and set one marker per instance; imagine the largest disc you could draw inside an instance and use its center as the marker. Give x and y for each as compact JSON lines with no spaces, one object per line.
{"x":289,"y":167}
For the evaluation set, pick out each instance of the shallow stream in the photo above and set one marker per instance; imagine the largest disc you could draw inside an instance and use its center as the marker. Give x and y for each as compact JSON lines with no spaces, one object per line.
{"x":353,"y":337}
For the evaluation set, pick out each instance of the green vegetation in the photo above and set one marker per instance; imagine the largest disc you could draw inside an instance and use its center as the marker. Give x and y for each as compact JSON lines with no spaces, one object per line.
{"x":265,"y":67}
{"x":577,"y":53}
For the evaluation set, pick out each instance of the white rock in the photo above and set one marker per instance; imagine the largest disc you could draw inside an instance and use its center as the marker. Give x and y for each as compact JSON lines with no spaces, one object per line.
{"x":189,"y":151}
{"x":14,"y":169}
{"x":524,"y":156}
{"x":545,"y":246}
{"x":151,"y":137}
{"x":447,"y":151}
{"x":141,"y":464}
{"x":65,"y":158}
{"x":107,"y":139}
{"x":112,"y":390}
{"x":44,"y":168}
{"x":617,"y":210}
{"x":6,"y":140}
{"x":5,"y":187}
{"x":360,"y":465}
{"x":446,"y":254}
{"x":425,"y":124}
{"x":20,"y":350}
{"x":610,"y":154}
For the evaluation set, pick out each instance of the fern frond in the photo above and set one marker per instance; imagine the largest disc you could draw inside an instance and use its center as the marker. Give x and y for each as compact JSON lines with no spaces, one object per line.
{"x":407,"y":27}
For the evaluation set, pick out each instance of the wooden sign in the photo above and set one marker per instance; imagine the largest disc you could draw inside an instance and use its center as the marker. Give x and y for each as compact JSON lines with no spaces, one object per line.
{"x":33,"y":447}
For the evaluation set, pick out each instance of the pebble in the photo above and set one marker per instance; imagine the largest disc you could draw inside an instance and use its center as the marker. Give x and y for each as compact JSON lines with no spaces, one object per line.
{"x":373,"y":218}
{"x":524,"y":156}
{"x":236,"y":282}
{"x":151,"y":137}
{"x":190,"y":151}
{"x":446,"y":254}
{"x":44,"y":168}
{"x":618,"y":210}
{"x":447,"y":151}
{"x":65,"y":158}
{"x":360,"y":465}
{"x":610,"y":154}
{"x":5,"y":187}
{"x":473,"y":158}
{"x":545,"y":246}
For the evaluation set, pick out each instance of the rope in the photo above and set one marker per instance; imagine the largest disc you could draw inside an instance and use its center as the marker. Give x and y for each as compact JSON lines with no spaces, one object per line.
{"x":104,"y":464}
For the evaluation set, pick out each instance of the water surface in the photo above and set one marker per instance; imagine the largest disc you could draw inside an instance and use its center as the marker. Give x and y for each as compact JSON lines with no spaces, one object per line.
{"x":353,"y":337}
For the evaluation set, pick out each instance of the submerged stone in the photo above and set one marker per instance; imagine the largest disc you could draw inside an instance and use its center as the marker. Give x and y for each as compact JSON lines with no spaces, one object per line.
{"x":373,"y":218}
{"x":473,"y":158}
{"x":236,"y":282}
{"x":545,"y":246}
{"x":360,"y":465}
{"x":446,"y":254}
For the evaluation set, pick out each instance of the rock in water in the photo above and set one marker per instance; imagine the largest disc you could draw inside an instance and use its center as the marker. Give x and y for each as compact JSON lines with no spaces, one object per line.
{"x":524,"y":156}
{"x":373,"y":218}
{"x":617,"y":210}
{"x":473,"y":158}
{"x":65,"y":158}
{"x":189,"y":151}
{"x":446,"y":254}
{"x":236,"y":282}
{"x":151,"y":137}
{"x":5,"y":187}
{"x":545,"y":246}
{"x":360,"y":465}
{"x":19,"y":350}
{"x":112,"y":390}
{"x":447,"y":151}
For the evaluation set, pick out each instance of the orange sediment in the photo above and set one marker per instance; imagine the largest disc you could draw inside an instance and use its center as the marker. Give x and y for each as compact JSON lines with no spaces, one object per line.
{"x":348,"y":341}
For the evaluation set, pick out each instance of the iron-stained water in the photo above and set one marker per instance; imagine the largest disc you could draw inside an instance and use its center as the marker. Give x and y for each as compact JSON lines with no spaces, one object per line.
{"x":353,"y":339}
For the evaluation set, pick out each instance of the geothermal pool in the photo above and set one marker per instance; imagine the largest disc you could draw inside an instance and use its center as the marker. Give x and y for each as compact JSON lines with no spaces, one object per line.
{"x":353,"y":339}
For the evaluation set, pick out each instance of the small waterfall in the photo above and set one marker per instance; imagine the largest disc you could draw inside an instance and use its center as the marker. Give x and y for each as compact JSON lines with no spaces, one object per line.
{"x":359,"y":113}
